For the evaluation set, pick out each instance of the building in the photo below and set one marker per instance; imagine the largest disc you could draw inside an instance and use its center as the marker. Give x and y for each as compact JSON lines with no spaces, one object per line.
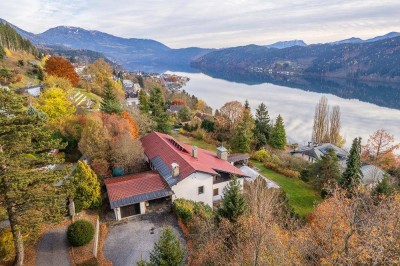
{"x":178,"y":171}
{"x":174,"y":109}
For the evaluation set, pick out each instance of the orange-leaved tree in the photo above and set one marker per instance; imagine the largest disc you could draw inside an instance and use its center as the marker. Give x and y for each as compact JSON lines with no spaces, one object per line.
{"x":60,"y":67}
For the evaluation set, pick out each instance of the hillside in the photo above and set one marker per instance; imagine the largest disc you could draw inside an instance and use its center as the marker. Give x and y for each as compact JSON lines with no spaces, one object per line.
{"x":376,"y":60}
{"x":11,"y":40}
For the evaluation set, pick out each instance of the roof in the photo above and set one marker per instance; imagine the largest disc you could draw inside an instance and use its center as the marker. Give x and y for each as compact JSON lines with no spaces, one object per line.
{"x":131,"y":189}
{"x":236,"y":157}
{"x":318,"y":150}
{"x":371,"y":174}
{"x":175,"y":108}
{"x":163,"y":150}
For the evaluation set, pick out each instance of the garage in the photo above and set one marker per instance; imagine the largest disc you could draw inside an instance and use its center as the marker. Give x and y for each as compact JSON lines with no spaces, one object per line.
{"x":130,"y":210}
{"x":136,"y":194}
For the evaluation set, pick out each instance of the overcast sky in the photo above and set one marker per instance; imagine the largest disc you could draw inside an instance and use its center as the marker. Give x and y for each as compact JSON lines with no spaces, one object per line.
{"x":212,"y":23}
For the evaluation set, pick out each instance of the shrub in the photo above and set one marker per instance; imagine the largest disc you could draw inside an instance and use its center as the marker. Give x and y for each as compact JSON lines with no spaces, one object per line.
{"x":80,"y":233}
{"x":261,"y":155}
{"x":7,"y":251}
{"x":284,"y":171}
{"x":186,"y":209}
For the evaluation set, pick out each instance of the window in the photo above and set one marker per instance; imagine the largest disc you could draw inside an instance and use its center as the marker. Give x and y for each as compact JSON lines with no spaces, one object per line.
{"x":216,"y":192}
{"x":201,"y":190}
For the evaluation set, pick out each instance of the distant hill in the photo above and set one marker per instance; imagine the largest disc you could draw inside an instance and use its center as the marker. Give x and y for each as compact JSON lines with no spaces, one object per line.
{"x":132,"y":53}
{"x":10,"y":39}
{"x":376,"y":60}
{"x":286,"y":44}
{"x":375,"y":39}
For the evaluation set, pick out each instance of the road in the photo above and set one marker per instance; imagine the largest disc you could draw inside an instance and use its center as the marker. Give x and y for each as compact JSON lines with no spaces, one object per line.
{"x":53,"y":248}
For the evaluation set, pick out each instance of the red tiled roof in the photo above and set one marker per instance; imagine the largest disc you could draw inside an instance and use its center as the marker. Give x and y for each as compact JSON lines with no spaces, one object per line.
{"x":133,"y":185}
{"x":170,"y":151}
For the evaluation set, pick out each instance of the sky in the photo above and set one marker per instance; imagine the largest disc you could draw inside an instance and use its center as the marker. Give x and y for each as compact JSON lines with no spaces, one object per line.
{"x":212,"y":23}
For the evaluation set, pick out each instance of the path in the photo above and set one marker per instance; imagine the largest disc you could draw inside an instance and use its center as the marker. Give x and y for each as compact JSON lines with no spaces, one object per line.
{"x":53,"y":248}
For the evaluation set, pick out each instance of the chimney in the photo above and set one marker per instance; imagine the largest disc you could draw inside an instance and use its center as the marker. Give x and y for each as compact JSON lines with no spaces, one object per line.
{"x":194,"y":152}
{"x":175,"y":169}
{"x":222,"y":153}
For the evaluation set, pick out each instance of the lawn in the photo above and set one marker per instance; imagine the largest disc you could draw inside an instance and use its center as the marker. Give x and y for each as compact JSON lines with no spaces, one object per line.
{"x":302,"y":197}
{"x":194,"y":142}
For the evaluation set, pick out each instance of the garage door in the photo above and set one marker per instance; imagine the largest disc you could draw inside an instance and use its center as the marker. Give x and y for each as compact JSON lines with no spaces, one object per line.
{"x":130,"y":210}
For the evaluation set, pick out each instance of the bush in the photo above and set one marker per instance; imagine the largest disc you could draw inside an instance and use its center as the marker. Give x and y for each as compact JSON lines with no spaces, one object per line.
{"x":186,"y":209}
{"x":80,"y":233}
{"x":261,"y":155}
{"x":281,"y":170}
{"x":7,"y":251}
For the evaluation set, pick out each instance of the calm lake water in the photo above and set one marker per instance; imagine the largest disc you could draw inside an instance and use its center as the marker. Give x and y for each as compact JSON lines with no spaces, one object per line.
{"x":359,"y":118}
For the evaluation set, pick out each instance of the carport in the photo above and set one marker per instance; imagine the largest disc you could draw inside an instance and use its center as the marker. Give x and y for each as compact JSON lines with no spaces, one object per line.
{"x":131,"y":194}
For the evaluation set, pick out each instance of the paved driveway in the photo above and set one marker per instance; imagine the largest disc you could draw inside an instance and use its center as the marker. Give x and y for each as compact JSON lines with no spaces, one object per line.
{"x":53,"y":248}
{"x":133,"y":239}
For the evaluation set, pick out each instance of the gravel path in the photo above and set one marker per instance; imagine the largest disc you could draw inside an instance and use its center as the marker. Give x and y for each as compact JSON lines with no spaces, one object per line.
{"x":53,"y":248}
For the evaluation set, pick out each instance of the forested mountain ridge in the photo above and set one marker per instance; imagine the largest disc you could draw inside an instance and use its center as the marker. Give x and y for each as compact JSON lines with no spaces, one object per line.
{"x":365,"y":61}
{"x":10,"y":39}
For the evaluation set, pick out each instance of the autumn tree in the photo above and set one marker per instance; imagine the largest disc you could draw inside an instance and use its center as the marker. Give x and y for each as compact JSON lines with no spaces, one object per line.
{"x":26,"y":182}
{"x":380,"y":150}
{"x":100,"y":72}
{"x":86,"y":189}
{"x":262,"y":126}
{"x":95,"y":138}
{"x":60,"y":67}
{"x":144,"y":122}
{"x":184,"y":114}
{"x":232,"y":111}
{"x":55,"y":104}
{"x":352,"y":176}
{"x":58,"y":82}
{"x":127,"y":153}
{"x":278,"y":134}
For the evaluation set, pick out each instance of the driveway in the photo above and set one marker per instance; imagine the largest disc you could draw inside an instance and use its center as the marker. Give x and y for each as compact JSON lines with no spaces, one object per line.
{"x":133,"y":239}
{"x":53,"y":248}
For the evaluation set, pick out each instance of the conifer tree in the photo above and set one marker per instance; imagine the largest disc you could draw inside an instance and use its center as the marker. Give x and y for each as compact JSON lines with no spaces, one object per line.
{"x":168,"y":250}
{"x":247,"y":105}
{"x":110,"y":104}
{"x":144,"y":102}
{"x":157,"y":108}
{"x":351,"y":177}
{"x":327,"y":172}
{"x":262,"y":126}
{"x":278,"y":134}
{"x":27,"y":183}
{"x":86,"y":187}
{"x":234,"y":203}
{"x":243,"y":134}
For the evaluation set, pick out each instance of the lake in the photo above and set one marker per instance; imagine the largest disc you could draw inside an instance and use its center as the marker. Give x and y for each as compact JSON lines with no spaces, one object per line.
{"x":297,"y":105}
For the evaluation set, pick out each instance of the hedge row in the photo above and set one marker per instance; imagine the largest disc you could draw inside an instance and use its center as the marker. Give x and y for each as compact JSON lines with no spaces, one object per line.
{"x":186,"y":209}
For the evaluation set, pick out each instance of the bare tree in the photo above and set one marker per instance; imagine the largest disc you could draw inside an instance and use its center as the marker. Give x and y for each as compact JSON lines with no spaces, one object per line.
{"x":335,"y":126}
{"x":321,"y":121}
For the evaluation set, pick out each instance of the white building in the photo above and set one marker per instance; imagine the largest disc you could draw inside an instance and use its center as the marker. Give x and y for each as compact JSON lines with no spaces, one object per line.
{"x":186,"y":172}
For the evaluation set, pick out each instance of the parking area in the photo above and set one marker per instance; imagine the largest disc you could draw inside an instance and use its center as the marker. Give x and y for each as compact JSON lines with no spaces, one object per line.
{"x":132,"y":239}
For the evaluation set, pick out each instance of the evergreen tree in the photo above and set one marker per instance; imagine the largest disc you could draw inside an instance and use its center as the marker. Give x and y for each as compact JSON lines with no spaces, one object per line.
{"x":351,"y":177}
{"x":27,"y":184}
{"x":243,"y":133}
{"x":233,"y":203}
{"x":86,"y":187}
{"x":262,"y":126}
{"x":208,"y":125}
{"x":110,"y":102}
{"x":278,"y":134}
{"x":326,"y":172}
{"x":247,"y":105}
{"x":157,"y":108}
{"x":168,"y":250}
{"x":383,"y":188}
{"x":144,"y":102}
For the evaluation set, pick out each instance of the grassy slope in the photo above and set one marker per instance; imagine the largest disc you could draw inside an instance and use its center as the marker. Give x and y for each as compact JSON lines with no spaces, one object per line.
{"x":302,"y":197}
{"x":191,"y":141}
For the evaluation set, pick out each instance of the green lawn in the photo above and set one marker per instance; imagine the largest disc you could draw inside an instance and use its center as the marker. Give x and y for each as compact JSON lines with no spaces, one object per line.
{"x":194,"y":142}
{"x":302,"y":197}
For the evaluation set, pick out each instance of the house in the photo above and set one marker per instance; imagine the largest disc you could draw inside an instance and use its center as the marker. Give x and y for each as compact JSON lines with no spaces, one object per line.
{"x":178,"y":171}
{"x":174,"y":109}
{"x":32,"y":90}
{"x":238,"y":158}
{"x":371,"y":175}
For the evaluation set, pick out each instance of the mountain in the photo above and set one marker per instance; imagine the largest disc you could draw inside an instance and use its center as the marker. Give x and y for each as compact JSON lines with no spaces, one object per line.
{"x":376,"y":60}
{"x":286,"y":44}
{"x":131,"y":53}
{"x":350,"y":40}
{"x":384,"y":37}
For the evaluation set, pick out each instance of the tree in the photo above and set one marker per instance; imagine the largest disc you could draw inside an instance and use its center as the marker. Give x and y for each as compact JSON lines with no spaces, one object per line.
{"x":321,"y":122}
{"x":351,"y":177}
{"x":58,"y":66}
{"x":133,"y":127}
{"x":55,"y":104}
{"x":144,"y":122}
{"x":86,"y":187}
{"x":94,"y":140}
{"x":233,"y":202}
{"x":26,"y":182}
{"x":232,"y":111}
{"x":243,"y":134}
{"x":380,"y":150}
{"x":127,"y":152}
{"x":58,"y":82}
{"x":262,"y":126}
{"x":157,"y":108}
{"x":334,"y":127}
{"x":144,"y":106}
{"x":110,"y":102}
{"x":246,"y":105}
{"x":168,"y":250}
{"x":100,"y":72}
{"x":278,"y":134}
{"x":184,"y":114}
{"x":208,"y":125}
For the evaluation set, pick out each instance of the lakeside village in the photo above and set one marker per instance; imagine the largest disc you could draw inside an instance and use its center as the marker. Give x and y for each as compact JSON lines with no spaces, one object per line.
{"x":143,"y":164}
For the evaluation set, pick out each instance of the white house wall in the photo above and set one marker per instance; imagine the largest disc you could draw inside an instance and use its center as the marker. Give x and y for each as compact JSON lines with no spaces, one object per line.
{"x":221,"y":187}
{"x":188,"y":188}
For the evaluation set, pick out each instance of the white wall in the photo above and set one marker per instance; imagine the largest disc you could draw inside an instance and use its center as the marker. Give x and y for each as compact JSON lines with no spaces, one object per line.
{"x":221,"y":187}
{"x":188,"y":188}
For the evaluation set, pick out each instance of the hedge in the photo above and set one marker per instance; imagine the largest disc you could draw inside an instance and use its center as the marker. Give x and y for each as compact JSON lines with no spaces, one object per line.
{"x":80,"y":233}
{"x":185,"y":209}
{"x":284,"y":171}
